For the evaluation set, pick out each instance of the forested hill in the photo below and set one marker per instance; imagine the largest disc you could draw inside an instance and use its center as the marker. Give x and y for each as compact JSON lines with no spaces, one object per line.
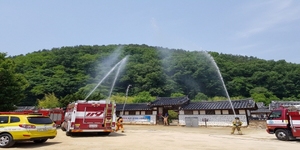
{"x":72,"y":73}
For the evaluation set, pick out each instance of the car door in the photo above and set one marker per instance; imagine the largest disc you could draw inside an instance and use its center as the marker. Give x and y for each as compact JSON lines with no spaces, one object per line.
{"x":16,"y":130}
{"x":3,"y":123}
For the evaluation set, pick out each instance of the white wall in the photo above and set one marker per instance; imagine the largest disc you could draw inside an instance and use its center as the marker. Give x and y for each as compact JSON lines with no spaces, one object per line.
{"x":214,"y":120}
{"x":242,"y":112}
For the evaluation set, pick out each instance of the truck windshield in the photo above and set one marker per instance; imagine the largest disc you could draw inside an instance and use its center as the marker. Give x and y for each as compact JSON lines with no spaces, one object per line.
{"x":275,"y":114}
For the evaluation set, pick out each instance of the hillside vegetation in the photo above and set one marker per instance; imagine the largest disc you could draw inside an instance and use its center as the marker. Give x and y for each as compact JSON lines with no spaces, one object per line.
{"x":71,"y":73}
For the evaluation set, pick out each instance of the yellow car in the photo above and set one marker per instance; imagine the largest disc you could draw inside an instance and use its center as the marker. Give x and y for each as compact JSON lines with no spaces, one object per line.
{"x":24,"y":127}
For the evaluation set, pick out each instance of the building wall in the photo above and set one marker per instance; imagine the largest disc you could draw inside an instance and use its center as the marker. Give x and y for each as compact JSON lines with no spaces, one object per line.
{"x":214,"y":120}
{"x":219,"y":118}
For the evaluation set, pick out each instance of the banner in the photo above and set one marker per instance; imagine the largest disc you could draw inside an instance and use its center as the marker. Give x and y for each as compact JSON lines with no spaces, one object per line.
{"x":136,"y":118}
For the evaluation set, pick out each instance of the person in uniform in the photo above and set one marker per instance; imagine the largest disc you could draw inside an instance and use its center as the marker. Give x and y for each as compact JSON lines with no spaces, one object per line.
{"x":236,"y":124}
{"x":120,"y":124}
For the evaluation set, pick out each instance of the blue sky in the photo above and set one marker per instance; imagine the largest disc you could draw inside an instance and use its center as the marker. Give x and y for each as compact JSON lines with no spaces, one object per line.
{"x":267,"y":29}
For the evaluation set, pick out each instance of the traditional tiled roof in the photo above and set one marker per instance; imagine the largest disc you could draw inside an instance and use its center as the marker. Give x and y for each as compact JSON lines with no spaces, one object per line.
{"x":167,"y":101}
{"x":260,"y":105}
{"x":261,"y":108}
{"x":277,"y":104}
{"x":22,"y":108}
{"x":139,"y":106}
{"x":237,"y":104}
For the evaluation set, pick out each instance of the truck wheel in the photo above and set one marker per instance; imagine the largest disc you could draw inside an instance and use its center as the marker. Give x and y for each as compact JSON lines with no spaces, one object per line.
{"x":68,"y":133}
{"x":6,"y":140}
{"x":282,"y":134}
{"x":40,"y":141}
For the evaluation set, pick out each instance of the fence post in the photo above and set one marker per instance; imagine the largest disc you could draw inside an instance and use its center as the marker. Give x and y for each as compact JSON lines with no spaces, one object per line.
{"x":205,"y":120}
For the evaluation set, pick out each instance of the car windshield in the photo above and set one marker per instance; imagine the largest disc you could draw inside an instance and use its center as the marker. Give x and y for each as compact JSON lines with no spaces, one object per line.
{"x":39,"y":120}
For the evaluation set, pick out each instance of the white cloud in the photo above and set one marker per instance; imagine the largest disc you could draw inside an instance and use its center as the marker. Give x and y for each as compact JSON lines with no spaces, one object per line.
{"x":154,"y":24}
{"x":268,"y":14}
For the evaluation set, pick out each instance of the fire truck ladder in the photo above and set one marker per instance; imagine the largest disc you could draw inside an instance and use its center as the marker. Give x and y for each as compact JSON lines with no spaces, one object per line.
{"x":112,"y":113}
{"x":292,"y":125}
{"x":106,"y":112}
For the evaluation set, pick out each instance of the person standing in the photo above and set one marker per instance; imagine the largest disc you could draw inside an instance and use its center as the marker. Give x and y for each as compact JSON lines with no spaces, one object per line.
{"x":166,"y":119}
{"x":236,"y":124}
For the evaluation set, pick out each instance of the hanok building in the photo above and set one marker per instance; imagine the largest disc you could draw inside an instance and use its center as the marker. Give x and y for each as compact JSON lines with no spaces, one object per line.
{"x":276,"y":104}
{"x":218,"y":113}
{"x":261,"y":113}
{"x":24,"y":108}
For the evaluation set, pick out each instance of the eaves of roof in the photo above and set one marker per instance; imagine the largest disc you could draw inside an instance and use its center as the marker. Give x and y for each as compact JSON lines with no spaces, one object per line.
{"x":237,"y":104}
{"x":136,"y":106}
{"x":167,"y":101}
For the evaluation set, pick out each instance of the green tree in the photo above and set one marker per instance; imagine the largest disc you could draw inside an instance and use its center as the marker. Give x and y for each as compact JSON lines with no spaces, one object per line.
{"x":172,"y":114}
{"x":177,"y":95}
{"x":143,"y":97}
{"x":159,"y":71}
{"x":200,"y":97}
{"x":218,"y":98}
{"x":261,"y":94}
{"x":49,"y":101}
{"x":68,"y":99}
{"x":239,"y":86}
{"x":121,"y":99}
{"x":12,"y":85}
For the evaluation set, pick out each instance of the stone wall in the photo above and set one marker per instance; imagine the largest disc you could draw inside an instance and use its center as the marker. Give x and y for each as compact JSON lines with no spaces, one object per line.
{"x":212,"y":120}
{"x":260,"y":124}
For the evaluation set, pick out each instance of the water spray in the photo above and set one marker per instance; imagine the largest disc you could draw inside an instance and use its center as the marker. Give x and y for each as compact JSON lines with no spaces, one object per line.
{"x":220,"y":76}
{"x":116,"y":76}
{"x":125,"y":98}
{"x":104,"y":78}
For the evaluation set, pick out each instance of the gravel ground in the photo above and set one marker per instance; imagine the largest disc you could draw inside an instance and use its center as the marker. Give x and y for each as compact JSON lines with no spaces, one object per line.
{"x":158,"y":137}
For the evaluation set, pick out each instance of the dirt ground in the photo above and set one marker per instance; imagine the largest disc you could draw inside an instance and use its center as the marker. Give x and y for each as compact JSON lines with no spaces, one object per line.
{"x":158,"y":137}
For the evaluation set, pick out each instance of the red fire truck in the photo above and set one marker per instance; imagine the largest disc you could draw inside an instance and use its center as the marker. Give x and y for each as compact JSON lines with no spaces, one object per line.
{"x":89,"y":116}
{"x":284,"y":122}
{"x":56,"y":114}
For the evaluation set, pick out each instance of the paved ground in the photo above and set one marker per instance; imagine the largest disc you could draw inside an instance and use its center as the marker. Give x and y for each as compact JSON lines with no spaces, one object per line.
{"x":146,"y":137}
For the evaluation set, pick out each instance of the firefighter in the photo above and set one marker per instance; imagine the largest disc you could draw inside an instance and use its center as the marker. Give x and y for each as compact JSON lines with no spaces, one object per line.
{"x":120,"y":124}
{"x":236,"y":124}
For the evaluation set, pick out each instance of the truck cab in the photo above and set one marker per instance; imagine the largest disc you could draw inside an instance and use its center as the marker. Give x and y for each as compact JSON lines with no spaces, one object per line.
{"x":284,"y":122}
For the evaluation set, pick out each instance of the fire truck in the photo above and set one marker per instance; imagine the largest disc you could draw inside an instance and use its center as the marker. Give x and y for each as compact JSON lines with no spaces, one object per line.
{"x":284,"y":122}
{"x":89,"y":116}
{"x":56,"y":114}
